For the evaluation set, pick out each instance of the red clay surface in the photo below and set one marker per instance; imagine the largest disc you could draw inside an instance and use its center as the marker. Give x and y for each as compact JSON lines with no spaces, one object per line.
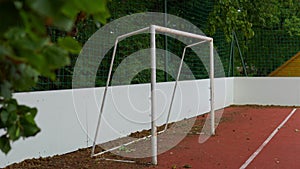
{"x":245,"y":129}
{"x":283,"y":151}
{"x":241,"y":131}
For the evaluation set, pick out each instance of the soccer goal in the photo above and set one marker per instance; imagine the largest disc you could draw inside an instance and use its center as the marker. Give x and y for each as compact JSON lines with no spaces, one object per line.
{"x":153,"y":29}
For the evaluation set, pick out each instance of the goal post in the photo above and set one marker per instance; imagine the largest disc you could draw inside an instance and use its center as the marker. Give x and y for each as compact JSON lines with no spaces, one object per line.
{"x":153,"y":29}
{"x":212,"y":86}
{"x":153,"y":96}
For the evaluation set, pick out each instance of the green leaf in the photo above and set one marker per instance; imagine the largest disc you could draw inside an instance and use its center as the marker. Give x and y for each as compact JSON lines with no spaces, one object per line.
{"x":5,"y":89}
{"x":25,"y":42}
{"x":28,"y":111}
{"x":34,"y":24}
{"x":51,"y":10}
{"x":8,"y":7}
{"x":30,"y":130}
{"x":27,"y":77}
{"x":13,"y":132}
{"x":5,"y":51}
{"x":70,"y":44}
{"x":4,"y":115}
{"x":29,"y":127}
{"x":33,"y":111}
{"x":4,"y":144}
{"x":2,"y":125}
{"x":70,"y":9}
{"x":12,"y":106}
{"x":92,"y":7}
{"x":29,"y":116}
{"x":56,"y":57}
{"x":63,"y":22}
{"x":97,"y":8}
{"x":45,"y":7}
{"x":15,"y":33}
{"x":102,"y":16}
{"x":13,"y":116}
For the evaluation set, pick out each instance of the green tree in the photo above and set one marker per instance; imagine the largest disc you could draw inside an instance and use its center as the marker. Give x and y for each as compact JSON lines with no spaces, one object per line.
{"x":263,"y":28}
{"x":244,"y":15}
{"x":26,"y":52}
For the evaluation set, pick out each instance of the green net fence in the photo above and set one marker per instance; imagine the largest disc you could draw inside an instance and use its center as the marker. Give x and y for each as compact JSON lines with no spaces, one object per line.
{"x":260,"y":56}
{"x":268,"y":50}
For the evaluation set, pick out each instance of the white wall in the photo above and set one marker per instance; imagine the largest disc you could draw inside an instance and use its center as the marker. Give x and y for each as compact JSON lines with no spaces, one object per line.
{"x":57,"y":120}
{"x":68,"y":118}
{"x":284,"y":91}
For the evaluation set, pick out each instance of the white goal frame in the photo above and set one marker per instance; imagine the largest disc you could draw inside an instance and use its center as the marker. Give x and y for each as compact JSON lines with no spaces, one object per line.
{"x":153,"y":29}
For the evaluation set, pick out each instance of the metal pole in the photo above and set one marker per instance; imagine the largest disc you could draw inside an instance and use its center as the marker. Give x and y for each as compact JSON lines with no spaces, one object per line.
{"x":174,"y":89}
{"x":240,"y":52}
{"x":212,"y":98}
{"x":153,"y":97}
{"x":176,"y":82}
{"x":108,"y":81}
{"x":104,"y":96}
{"x":181,"y":33}
{"x":166,"y":40}
{"x":231,"y":57}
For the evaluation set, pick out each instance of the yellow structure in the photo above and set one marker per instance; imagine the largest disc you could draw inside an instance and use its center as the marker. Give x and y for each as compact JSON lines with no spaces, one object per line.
{"x":290,"y":68}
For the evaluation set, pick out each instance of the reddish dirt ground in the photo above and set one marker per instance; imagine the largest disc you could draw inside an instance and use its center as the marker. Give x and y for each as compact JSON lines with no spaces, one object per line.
{"x":241,"y":131}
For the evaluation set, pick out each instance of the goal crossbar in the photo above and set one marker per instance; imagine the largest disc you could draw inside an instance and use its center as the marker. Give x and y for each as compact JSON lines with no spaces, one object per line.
{"x":153,"y":29}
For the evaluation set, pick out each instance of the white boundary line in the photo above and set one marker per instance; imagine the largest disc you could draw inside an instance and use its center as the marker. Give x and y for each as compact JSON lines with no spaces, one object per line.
{"x":251,"y":158}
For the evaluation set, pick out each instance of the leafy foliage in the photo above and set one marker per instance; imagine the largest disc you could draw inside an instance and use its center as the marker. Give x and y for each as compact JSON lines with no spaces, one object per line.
{"x":244,"y":15}
{"x":293,"y":25}
{"x":268,"y":31}
{"x":229,"y":16}
{"x":255,"y":22}
{"x":27,"y":52}
{"x":18,"y":120}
